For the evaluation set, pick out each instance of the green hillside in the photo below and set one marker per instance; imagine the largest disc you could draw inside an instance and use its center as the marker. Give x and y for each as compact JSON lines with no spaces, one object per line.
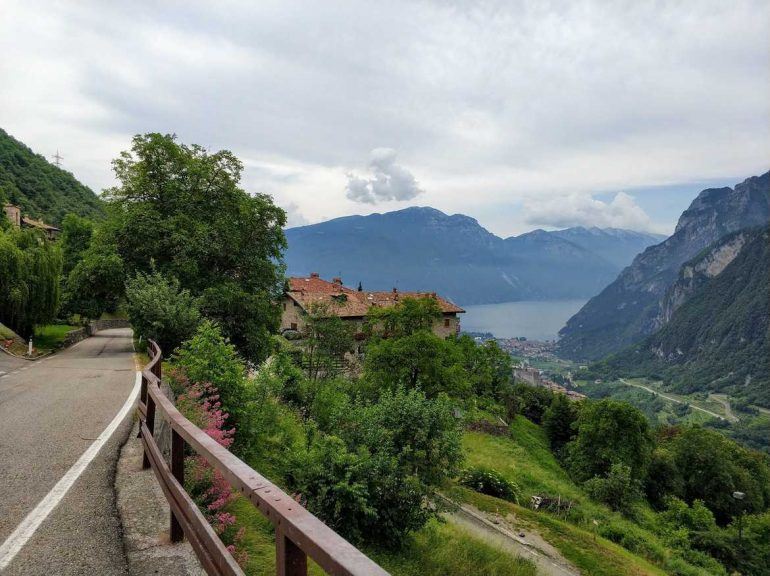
{"x":613,"y":546}
{"x":718,"y":339}
{"x":42,"y":190}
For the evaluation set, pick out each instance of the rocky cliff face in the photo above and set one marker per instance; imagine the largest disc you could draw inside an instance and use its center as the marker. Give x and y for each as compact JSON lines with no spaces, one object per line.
{"x":630,"y":308}
{"x":717,"y":335}
{"x":696,"y":273}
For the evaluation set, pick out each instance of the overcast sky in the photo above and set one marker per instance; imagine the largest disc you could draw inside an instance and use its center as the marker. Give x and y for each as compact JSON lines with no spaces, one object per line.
{"x":521,"y":114}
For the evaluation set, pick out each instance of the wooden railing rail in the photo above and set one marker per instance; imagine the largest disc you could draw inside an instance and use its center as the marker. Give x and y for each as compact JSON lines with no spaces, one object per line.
{"x":298,"y":534}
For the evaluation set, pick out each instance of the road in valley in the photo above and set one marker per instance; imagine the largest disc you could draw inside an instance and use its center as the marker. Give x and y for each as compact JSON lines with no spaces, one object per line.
{"x":669,"y":398}
{"x":52,"y":413}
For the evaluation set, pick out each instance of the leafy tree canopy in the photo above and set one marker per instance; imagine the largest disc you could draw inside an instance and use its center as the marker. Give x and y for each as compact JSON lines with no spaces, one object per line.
{"x":160,"y":310}
{"x":30,"y":268}
{"x":610,"y":432}
{"x":182,"y":208}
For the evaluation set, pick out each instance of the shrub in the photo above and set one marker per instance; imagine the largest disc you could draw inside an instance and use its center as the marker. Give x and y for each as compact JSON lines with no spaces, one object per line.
{"x":617,"y":488}
{"x":490,"y":482}
{"x":159,"y":310}
{"x":371,"y":474}
{"x":210,"y":358}
{"x":200,"y":404}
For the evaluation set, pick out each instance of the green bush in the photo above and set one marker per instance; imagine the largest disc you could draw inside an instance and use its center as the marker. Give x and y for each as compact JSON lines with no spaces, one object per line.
{"x":371,"y":471}
{"x":209,"y":357}
{"x":159,"y":310}
{"x":618,"y":489}
{"x":491,"y":483}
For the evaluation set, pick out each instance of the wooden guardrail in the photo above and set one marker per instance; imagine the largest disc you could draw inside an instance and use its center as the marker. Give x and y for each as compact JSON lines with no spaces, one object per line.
{"x":298,"y":534}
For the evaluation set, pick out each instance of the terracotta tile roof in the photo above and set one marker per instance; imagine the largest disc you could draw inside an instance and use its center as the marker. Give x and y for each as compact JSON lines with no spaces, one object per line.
{"x":347,"y":302}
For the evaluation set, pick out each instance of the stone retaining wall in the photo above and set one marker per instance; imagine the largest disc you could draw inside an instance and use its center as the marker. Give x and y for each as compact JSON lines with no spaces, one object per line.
{"x":97,"y":325}
{"x":75,"y":336}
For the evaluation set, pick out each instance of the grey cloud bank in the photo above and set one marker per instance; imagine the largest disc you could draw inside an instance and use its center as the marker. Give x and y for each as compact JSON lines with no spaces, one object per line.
{"x":534,"y":105}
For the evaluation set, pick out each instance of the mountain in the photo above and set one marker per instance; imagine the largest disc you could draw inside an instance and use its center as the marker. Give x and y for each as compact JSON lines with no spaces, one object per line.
{"x":717,"y":334}
{"x":425,"y":249}
{"x":630,"y":307}
{"x":615,"y":245}
{"x":42,"y":190}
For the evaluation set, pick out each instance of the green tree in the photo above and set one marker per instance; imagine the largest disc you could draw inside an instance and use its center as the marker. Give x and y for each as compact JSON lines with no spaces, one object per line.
{"x":411,"y":315}
{"x":30,"y":269}
{"x":559,"y":419}
{"x":609,"y":432}
{"x":663,"y":477}
{"x":369,"y":477}
{"x":712,"y":467}
{"x":160,"y":310}
{"x":326,"y":340}
{"x":617,"y":488}
{"x":420,"y":360}
{"x":96,"y":283}
{"x":530,"y":401}
{"x":182,"y":208}
{"x":76,"y":233}
{"x":208,"y":357}
{"x":487,"y":366}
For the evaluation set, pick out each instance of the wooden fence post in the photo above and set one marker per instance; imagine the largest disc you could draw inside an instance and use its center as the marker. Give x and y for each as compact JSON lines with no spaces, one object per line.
{"x":177,"y":469}
{"x":150,"y":423}
{"x":290,"y":560}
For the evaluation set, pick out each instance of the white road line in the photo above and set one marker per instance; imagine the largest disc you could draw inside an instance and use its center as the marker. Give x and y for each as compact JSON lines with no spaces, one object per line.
{"x":34,"y":519}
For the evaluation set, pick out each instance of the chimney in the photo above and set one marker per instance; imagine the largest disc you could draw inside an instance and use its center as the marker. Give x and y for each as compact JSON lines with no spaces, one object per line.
{"x":337,"y":281}
{"x":314,"y":274}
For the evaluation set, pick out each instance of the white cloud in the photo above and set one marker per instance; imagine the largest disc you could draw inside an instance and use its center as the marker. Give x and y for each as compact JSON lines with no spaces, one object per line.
{"x":492,"y":103}
{"x":388,"y":181}
{"x":580,"y":210}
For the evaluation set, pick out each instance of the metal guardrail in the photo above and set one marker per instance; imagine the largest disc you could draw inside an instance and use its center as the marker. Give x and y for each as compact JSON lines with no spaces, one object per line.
{"x":298,"y":534}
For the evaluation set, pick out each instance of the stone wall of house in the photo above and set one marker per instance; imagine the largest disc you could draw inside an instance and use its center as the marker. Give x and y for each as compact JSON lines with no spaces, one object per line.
{"x":447,"y":326}
{"x":13,"y":213}
{"x":291,"y":315}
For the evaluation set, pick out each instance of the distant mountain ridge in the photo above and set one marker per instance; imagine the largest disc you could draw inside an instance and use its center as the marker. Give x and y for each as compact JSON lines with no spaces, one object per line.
{"x":40,"y":189}
{"x":421,"y":248}
{"x":632,"y":306}
{"x":716,"y":334}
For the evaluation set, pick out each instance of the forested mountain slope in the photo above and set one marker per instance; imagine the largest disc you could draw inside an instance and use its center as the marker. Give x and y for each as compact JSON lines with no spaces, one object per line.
{"x":717,"y":338}
{"x":630,"y":308}
{"x":425,"y":249}
{"x":42,"y":190}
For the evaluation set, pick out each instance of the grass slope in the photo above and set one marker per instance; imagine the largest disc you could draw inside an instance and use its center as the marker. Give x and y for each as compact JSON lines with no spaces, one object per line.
{"x":439,"y":549}
{"x":614,"y":546}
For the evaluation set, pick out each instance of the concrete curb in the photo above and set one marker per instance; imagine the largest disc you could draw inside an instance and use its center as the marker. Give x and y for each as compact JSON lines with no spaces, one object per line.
{"x":144,"y":514}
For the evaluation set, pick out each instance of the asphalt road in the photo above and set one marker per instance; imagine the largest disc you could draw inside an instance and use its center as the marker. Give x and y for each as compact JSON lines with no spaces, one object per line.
{"x":51,"y":411}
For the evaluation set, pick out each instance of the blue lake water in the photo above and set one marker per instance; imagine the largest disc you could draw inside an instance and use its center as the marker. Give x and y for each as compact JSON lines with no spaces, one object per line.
{"x":533,"y":319}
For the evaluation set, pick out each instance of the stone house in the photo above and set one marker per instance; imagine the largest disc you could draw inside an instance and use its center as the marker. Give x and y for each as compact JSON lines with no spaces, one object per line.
{"x":13,"y":213}
{"x":352,"y":305}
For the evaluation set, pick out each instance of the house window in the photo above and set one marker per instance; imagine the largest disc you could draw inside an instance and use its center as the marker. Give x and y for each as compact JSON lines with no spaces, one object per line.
{"x":284,"y":306}
{"x":446,"y":322}
{"x":293,"y":325}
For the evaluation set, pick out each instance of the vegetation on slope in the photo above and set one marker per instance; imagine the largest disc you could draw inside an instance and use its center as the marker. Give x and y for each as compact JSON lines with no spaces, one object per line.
{"x":40,"y":189}
{"x":717,"y":340}
{"x":628,"y":310}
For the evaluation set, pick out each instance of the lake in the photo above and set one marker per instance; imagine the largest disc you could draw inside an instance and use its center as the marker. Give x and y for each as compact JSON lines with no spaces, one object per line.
{"x":536,"y":320}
